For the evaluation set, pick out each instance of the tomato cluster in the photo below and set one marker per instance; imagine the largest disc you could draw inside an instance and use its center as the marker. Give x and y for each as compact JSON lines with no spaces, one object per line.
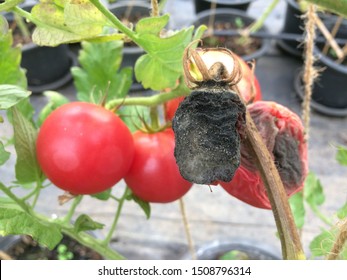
{"x":85,"y":149}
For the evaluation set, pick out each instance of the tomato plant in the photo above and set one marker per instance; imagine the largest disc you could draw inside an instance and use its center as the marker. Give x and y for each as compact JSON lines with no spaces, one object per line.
{"x":83,"y":148}
{"x":154,"y":175}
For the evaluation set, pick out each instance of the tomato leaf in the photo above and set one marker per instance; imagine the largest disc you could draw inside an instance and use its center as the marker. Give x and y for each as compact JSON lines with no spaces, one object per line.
{"x":313,"y":191}
{"x":144,"y":205}
{"x":66,"y":21}
{"x":296,"y":203}
{"x":342,"y":212}
{"x":4,"y":155}
{"x":133,"y":116}
{"x":55,"y":100}
{"x":27,"y":168}
{"x":322,"y":244}
{"x":10,"y":95}
{"x":152,"y":25}
{"x":105,"y":195}
{"x":11,"y":72}
{"x":163,"y":58}
{"x":16,"y":221}
{"x":341,"y":155}
{"x":8,"y":4}
{"x":84,"y":223}
{"x":99,"y":74}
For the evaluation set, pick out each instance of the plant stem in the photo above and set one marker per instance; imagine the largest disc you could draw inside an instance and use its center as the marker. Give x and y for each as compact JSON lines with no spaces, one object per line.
{"x":336,"y":6}
{"x":89,"y":241}
{"x":37,"y":193}
{"x":23,"y":28}
{"x":12,"y":196}
{"x":260,"y":21}
{"x":339,"y":242}
{"x":320,"y":215}
{"x":116,"y":217}
{"x":7,"y":5}
{"x":114,"y":20}
{"x":72,"y":209}
{"x":309,"y":72}
{"x":187,"y":229}
{"x":290,"y":240}
{"x":155,"y":8}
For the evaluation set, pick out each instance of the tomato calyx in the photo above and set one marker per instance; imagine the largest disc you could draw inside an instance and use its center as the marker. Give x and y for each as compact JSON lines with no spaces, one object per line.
{"x":66,"y":197}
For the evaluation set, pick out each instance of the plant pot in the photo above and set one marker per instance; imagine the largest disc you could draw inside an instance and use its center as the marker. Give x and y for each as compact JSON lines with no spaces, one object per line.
{"x":246,"y":249}
{"x":228,"y":18}
{"x":24,"y":248}
{"x":293,"y":24}
{"x":203,"y":5}
{"x":131,"y":52}
{"x":47,"y":68}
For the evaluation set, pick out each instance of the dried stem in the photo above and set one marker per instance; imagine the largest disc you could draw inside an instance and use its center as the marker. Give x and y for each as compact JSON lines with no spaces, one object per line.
{"x":187,"y":229}
{"x":155,"y":8}
{"x":333,"y":34}
{"x":290,"y":240}
{"x":340,"y":242}
{"x":326,"y":33}
{"x":211,"y":18}
{"x":309,"y":72}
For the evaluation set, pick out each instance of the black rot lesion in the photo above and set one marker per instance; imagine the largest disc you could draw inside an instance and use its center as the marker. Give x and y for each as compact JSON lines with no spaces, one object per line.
{"x":208,"y":124}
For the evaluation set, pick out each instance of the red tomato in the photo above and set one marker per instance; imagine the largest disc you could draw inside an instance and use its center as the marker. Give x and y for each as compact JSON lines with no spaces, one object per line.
{"x":154,"y":175}
{"x":283,"y":134}
{"x":249,"y":89}
{"x":83,"y":148}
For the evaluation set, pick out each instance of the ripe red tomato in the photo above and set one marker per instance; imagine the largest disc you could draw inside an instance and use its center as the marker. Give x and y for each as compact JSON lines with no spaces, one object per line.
{"x":154,"y":175}
{"x":249,"y":89}
{"x":83,"y":148}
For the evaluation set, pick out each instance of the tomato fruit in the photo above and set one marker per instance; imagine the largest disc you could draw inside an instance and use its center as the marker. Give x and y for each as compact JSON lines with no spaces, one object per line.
{"x":83,"y":148}
{"x":154,"y":175}
{"x":249,"y":89}
{"x":283,"y":134}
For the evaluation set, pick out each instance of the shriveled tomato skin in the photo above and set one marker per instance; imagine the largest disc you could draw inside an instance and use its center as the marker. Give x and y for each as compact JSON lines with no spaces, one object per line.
{"x":83,"y":148}
{"x":154,"y":175}
{"x":283,"y":134}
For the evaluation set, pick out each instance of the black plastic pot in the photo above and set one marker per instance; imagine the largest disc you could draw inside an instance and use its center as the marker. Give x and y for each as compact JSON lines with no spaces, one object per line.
{"x":247,"y":249}
{"x":47,"y":68}
{"x":131,"y":53}
{"x":293,"y":24}
{"x":229,"y":16}
{"x":202,"y":5}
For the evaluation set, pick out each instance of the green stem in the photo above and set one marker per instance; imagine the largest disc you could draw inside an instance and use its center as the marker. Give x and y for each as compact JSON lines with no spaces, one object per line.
{"x":336,"y":6}
{"x":320,"y":215}
{"x":12,"y":196}
{"x":25,"y":14}
{"x":23,"y":28}
{"x":260,"y":21}
{"x":116,"y":217}
{"x":89,"y":241}
{"x":37,"y":193}
{"x":154,"y":117}
{"x":115,"y":21}
{"x":153,"y":100}
{"x":7,"y":5}
{"x":72,"y":209}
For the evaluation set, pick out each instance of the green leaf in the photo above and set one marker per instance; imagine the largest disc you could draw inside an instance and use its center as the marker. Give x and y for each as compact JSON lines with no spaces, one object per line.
{"x":234,"y":255}
{"x":99,"y":75}
{"x":296,"y":203}
{"x":313,"y":191}
{"x":341,"y":155}
{"x":342,"y":212}
{"x":144,"y":205}
{"x":66,"y":22}
{"x":152,"y":25}
{"x":8,"y":4}
{"x":322,"y":244}
{"x":163,"y":59}
{"x":15,"y":221}
{"x":105,"y":195}
{"x":4,"y":155}
{"x":133,"y":116}
{"x":27,"y":168}
{"x":55,"y":100}
{"x":10,"y":58}
{"x":84,"y":223}
{"x":10,"y":95}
